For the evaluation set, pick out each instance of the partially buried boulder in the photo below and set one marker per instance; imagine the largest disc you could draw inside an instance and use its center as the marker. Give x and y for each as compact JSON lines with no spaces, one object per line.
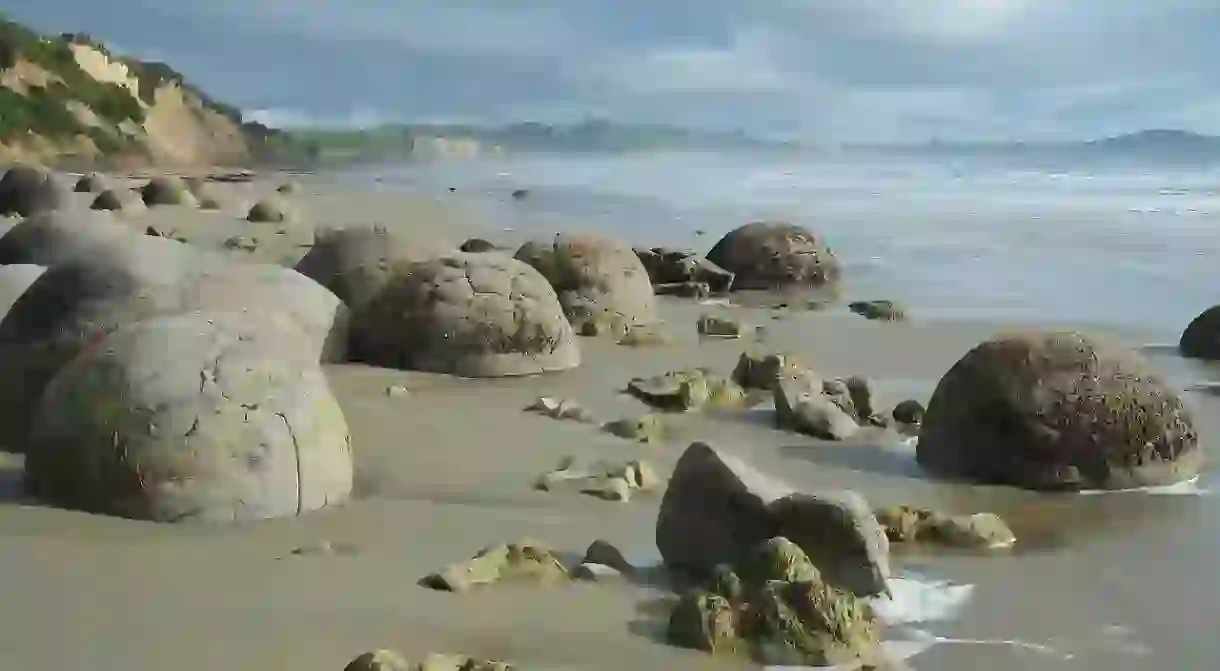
{"x":477,"y":245}
{"x":26,"y":190}
{"x":768,"y":255}
{"x":602,"y":286}
{"x":1057,"y":410}
{"x":93,"y":182}
{"x":356,"y":262}
{"x":473,"y":315}
{"x":1201,"y":339}
{"x":77,"y":301}
{"x":48,"y":238}
{"x":269,"y":210}
{"x":118,"y":200}
{"x":167,"y":190}
{"x":717,"y":509}
{"x":205,"y":417}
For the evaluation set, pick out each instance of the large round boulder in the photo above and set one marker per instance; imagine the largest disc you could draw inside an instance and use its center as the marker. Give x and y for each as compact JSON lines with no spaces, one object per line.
{"x":26,"y":189}
{"x":118,"y":200}
{"x":167,"y":190}
{"x":356,"y":262}
{"x":602,"y":285}
{"x":1057,"y":410}
{"x":203,"y":417}
{"x":48,"y":238}
{"x":472,"y":315}
{"x":76,"y":302}
{"x":771,"y":255}
{"x":14,"y":280}
{"x":1201,"y":339}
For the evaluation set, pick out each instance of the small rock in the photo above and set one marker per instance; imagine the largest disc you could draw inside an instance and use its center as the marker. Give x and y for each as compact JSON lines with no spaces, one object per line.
{"x":721,"y":327}
{"x":879,"y":310}
{"x":241,"y":242}
{"x":477,"y":246}
{"x":761,"y":371}
{"x":980,"y":531}
{"x":602,"y":552}
{"x":908,"y":412}
{"x":609,"y":488}
{"x":705,"y":622}
{"x":648,"y":428}
{"x":643,"y":336}
{"x":379,"y":660}
{"x":603,"y":480}
{"x":686,"y":390}
{"x":790,"y":387}
{"x":287,"y":188}
{"x":860,"y":391}
{"x":525,"y":561}
{"x":562,"y":409}
{"x":395,"y":391}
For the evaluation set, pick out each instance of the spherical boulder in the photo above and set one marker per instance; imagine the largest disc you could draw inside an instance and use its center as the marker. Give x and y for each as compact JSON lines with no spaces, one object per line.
{"x":202,"y":417}
{"x":602,"y":285}
{"x":167,"y":190}
{"x":26,"y":190}
{"x":770,"y":255}
{"x":1057,"y":410}
{"x":472,"y":315}
{"x":14,"y":280}
{"x":271,"y":210}
{"x":477,"y":246}
{"x":1201,"y":339}
{"x":356,"y":262}
{"x":52,"y":237}
{"x":94,"y":182}
{"x":118,"y":200}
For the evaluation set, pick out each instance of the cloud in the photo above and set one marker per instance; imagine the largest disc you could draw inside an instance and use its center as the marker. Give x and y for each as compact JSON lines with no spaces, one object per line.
{"x":835,"y":69}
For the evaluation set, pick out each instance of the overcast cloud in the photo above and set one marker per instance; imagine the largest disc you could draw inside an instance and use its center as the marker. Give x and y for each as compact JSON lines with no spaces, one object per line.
{"x":837,"y":70}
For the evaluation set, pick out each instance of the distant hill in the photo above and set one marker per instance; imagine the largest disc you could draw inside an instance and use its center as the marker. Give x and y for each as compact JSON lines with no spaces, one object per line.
{"x":67,"y":97}
{"x":1160,"y":146}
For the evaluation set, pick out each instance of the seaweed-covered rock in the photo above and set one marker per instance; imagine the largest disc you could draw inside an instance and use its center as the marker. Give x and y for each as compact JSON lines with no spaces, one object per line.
{"x":27,"y":190}
{"x":979,"y":531}
{"x":811,"y":623}
{"x":1201,"y":339}
{"x":167,"y":190}
{"x":522,"y":562}
{"x":706,"y":622}
{"x":601,"y":283}
{"x":778,"y":559}
{"x":271,"y":210}
{"x":93,"y":182}
{"x":771,"y":255}
{"x":887,"y":311}
{"x":118,"y":200}
{"x":756,"y":370}
{"x":686,"y":390}
{"x":473,"y":315}
{"x":1058,"y":410}
{"x":356,"y":262}
{"x":207,"y":417}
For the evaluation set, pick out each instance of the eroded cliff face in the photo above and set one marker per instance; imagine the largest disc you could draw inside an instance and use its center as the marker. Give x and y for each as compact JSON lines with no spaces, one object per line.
{"x":167,"y":123}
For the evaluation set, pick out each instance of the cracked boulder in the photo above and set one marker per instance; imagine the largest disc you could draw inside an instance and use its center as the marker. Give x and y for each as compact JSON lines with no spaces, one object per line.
{"x":204,"y":417}
{"x":472,"y":315}
{"x":771,"y":255}
{"x":1058,"y":410}
{"x":77,"y":301}
{"x":27,"y":190}
{"x":602,"y":285}
{"x":167,"y":190}
{"x":356,"y":262}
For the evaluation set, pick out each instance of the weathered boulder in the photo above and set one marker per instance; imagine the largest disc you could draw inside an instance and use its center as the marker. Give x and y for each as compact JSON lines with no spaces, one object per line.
{"x":1201,"y":339}
{"x":477,"y":245}
{"x":601,"y":283}
{"x":716,"y":508}
{"x":204,"y":417}
{"x":167,"y":190}
{"x":271,"y":210}
{"x":525,"y":561}
{"x":473,"y":315}
{"x":356,"y":262}
{"x":791,"y":386}
{"x":756,"y":370}
{"x":604,"y":480}
{"x":978,"y":531}
{"x":646,"y":428}
{"x":93,"y":182}
{"x":118,"y":200}
{"x":53,"y":237}
{"x":820,"y":417}
{"x":686,"y":390}
{"x":26,"y":190}
{"x":1057,"y":410}
{"x":771,"y":255}
{"x":677,"y":267}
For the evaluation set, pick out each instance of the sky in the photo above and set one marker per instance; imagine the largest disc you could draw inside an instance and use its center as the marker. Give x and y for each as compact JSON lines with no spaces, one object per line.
{"x":823,"y":70}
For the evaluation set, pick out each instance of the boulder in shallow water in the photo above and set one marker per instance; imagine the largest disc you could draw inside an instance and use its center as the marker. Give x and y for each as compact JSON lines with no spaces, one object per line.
{"x":27,"y":190}
{"x":820,"y":417}
{"x":979,"y":531}
{"x":1058,"y":410}
{"x":1201,"y":339}
{"x":203,"y":417}
{"x":686,"y":390}
{"x":770,"y":255}
{"x":472,"y":315}
{"x":678,"y":267}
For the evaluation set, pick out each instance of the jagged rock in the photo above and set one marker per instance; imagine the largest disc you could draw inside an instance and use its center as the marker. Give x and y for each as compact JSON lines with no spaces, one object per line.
{"x":601,"y":284}
{"x":981,"y":531}
{"x":272,"y":210}
{"x":208,"y":417}
{"x":755,"y":370}
{"x":775,"y":255}
{"x":472,"y":315}
{"x":118,"y":200}
{"x":716,"y":508}
{"x":603,"y":553}
{"x":647,"y":428}
{"x":27,"y":190}
{"x":720,"y":327}
{"x":93,"y":182}
{"x":357,"y":262}
{"x":557,"y":408}
{"x":683,"y":267}
{"x":778,"y":559}
{"x":1058,"y":410}
{"x":686,"y":390}
{"x":879,"y":310}
{"x":167,"y":190}
{"x":525,"y":561}
{"x":379,"y":660}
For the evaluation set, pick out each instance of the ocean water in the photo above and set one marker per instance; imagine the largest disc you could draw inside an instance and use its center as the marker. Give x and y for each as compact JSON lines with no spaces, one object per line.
{"x":950,"y":238}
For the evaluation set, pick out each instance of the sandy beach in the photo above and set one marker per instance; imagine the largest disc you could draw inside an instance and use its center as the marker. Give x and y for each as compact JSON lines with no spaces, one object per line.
{"x":1114,"y":581}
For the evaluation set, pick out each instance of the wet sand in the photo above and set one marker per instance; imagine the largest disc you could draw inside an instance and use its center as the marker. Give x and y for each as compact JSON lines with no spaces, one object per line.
{"x":1115,"y":581}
